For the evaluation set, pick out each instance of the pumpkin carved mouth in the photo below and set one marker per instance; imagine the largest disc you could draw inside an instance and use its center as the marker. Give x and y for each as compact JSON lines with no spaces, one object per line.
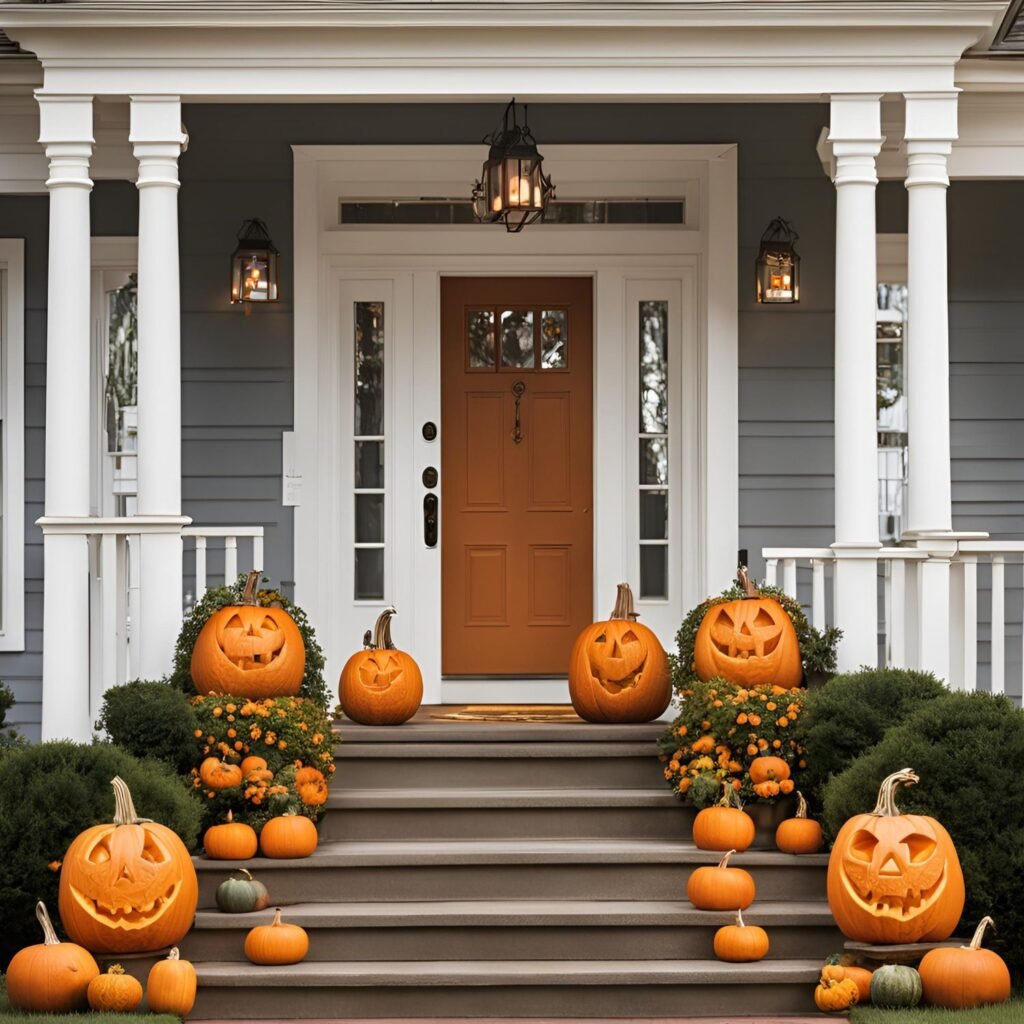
{"x":617,"y":664}
{"x":377,"y":677}
{"x":254,"y":646}
{"x":120,"y":913}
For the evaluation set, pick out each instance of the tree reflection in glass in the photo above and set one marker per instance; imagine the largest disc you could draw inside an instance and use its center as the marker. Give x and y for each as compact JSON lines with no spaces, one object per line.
{"x":122,"y":374}
{"x":369,"y":356}
{"x":517,"y":338}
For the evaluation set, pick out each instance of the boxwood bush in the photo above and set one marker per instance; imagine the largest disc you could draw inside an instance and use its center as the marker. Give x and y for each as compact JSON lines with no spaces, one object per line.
{"x":968,"y":750}
{"x":49,"y":793}
{"x":151,"y":720}
{"x":851,"y":713}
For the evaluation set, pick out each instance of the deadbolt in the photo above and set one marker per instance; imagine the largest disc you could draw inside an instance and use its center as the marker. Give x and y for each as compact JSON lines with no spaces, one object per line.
{"x":429,"y":431}
{"x":430,"y":477}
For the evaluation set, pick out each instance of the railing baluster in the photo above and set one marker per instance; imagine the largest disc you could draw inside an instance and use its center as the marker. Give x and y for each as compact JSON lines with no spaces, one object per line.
{"x":230,"y":560}
{"x":817,"y":593}
{"x":257,"y":553}
{"x":898,"y":614}
{"x":970,"y":670}
{"x":200,"y":568}
{"x":771,"y":572}
{"x":789,"y":576}
{"x":998,"y":654}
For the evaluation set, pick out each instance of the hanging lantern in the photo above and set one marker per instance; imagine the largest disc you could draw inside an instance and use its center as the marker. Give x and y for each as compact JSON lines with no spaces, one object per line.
{"x":255,"y":265}
{"x":778,"y":265}
{"x":512,"y":187}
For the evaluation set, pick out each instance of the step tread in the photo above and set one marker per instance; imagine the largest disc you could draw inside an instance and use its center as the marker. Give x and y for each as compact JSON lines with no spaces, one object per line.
{"x":437,"y":797}
{"x":507,"y":972}
{"x":518,"y":913}
{"x":356,"y":853}
{"x":491,"y":748}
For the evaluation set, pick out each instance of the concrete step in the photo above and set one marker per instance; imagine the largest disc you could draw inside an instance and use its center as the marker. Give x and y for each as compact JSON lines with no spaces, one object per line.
{"x":424,"y":728}
{"x":511,"y":929}
{"x":474,"y":988}
{"x":641,"y":869}
{"x":497,"y":765}
{"x":505,"y":813}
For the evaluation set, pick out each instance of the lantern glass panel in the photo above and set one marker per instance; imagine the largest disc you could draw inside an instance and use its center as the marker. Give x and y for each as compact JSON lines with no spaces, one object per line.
{"x":778,"y":276}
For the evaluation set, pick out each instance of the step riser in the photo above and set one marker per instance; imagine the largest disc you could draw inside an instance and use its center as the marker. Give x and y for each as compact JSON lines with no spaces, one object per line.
{"x":673,"y":822}
{"x":501,"y":772}
{"x":727,"y":1001}
{"x":498,"y":944}
{"x":609,"y":881}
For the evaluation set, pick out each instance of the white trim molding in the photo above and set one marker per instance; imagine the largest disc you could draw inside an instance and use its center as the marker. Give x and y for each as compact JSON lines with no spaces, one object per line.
{"x":12,"y":440}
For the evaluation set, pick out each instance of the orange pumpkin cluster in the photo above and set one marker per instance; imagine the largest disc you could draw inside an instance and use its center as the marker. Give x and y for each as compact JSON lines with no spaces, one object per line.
{"x":724,"y":728}
{"x":257,"y":757}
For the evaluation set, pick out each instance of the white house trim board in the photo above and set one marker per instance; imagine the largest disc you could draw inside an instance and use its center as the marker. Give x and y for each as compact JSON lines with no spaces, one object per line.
{"x":12,"y":439}
{"x":692,"y":265}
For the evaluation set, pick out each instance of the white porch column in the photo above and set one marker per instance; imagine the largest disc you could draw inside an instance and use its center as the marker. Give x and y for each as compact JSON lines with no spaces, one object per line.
{"x":856,"y":137}
{"x":157,"y":139}
{"x":65,"y":128}
{"x":931,"y":127}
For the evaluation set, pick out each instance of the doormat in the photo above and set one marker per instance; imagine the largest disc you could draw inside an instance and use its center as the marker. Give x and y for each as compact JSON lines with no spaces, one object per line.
{"x":510,"y":713}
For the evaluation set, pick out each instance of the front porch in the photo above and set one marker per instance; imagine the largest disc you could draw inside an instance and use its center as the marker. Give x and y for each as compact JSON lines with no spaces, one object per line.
{"x":773,"y":418}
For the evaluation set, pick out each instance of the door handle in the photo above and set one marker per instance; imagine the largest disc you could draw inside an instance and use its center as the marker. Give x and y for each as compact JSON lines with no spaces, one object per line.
{"x":430,"y":520}
{"x":517,"y":389}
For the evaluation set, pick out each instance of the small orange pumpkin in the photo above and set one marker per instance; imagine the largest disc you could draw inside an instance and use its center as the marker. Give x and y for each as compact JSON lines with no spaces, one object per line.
{"x":252,"y":763}
{"x":277,"y":942}
{"x":861,"y":977}
{"x":768,"y":769}
{"x":380,"y":685}
{"x":115,"y":991}
{"x":799,"y":834}
{"x":725,"y":826}
{"x":288,"y":836}
{"x":835,"y":995}
{"x":217,"y":774}
{"x":51,"y":977}
{"x":618,"y":670}
{"x":750,"y":641}
{"x":129,"y":886}
{"x":964,"y":977}
{"x":721,"y":887}
{"x":741,"y":943}
{"x":234,"y":840}
{"x":249,"y":650}
{"x":311,"y":786}
{"x":892,"y":877}
{"x":171,"y":986}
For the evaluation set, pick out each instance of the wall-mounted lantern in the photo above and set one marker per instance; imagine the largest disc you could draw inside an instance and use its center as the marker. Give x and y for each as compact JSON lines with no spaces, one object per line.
{"x":778,"y":265}
{"x":513,"y":187}
{"x":255,"y":265}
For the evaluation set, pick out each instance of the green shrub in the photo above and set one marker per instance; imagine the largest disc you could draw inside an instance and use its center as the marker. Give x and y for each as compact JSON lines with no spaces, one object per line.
{"x":151,"y":720}
{"x":851,"y":713}
{"x":968,"y":750}
{"x":10,"y":738}
{"x":49,"y":793}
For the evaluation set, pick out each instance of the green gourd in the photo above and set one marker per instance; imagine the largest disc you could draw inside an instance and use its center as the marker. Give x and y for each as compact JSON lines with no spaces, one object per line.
{"x":240,"y":895}
{"x":895,"y":987}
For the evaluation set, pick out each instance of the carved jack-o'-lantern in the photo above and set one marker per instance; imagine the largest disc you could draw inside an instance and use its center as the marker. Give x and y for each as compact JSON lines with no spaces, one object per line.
{"x":380,"y":685}
{"x":895,"y":878}
{"x":249,"y":650}
{"x":129,"y":886}
{"x":750,"y":641}
{"x":618,"y":670}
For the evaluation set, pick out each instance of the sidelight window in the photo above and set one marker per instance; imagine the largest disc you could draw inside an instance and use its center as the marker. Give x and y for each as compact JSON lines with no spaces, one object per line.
{"x":368,"y":438}
{"x":653,"y":480}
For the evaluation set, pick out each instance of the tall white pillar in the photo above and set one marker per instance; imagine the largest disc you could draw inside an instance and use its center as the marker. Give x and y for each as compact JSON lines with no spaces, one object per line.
{"x":931,"y":127}
{"x":157,"y":138}
{"x":65,"y":129}
{"x":856,"y":137}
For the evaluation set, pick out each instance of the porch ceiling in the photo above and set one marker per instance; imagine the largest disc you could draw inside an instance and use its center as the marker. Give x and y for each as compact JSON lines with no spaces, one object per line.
{"x":1010,"y":37}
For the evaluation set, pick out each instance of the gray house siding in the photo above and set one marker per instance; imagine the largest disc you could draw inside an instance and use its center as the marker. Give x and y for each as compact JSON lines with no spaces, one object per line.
{"x":237,"y":370}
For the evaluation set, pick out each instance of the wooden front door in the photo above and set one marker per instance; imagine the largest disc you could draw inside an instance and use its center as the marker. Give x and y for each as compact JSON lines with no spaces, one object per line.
{"x":516,"y":473}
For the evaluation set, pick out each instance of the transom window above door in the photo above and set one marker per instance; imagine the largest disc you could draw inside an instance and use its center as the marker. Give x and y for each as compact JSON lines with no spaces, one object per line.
{"x":517,"y":339}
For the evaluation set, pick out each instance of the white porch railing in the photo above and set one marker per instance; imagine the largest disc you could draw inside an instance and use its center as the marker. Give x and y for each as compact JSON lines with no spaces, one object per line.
{"x":808,"y":574}
{"x":114,"y":545}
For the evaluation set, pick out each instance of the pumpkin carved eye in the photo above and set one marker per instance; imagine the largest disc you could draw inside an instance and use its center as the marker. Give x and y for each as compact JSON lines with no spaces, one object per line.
{"x":629,"y":637}
{"x":862,"y":846}
{"x":602,"y":639}
{"x":920,"y":847}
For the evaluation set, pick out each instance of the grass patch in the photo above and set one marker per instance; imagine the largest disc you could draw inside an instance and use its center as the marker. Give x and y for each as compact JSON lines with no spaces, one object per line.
{"x":1005,"y":1013}
{"x":6,"y":1013}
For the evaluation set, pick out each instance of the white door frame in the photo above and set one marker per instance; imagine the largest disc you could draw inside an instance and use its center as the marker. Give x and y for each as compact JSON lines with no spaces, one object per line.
{"x":692,"y":265}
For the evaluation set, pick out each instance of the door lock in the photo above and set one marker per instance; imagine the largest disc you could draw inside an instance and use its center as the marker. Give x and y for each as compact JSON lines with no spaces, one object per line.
{"x":430,"y":520}
{"x":430,"y":477}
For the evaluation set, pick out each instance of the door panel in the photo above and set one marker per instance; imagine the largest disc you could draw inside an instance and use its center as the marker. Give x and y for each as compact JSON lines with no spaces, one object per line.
{"x":516,"y":473}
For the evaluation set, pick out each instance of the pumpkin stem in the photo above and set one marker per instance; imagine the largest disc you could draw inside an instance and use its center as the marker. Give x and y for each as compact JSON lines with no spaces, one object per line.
{"x":739,"y":918}
{"x":886,"y":805}
{"x":174,"y":954}
{"x":230,"y":817}
{"x":979,"y":932}
{"x":382,"y":631}
{"x":724,"y":862}
{"x":49,"y":933}
{"x":745,"y":582}
{"x":115,"y":969}
{"x":801,"y":805}
{"x":277,"y":917}
{"x":246,"y":872}
{"x":124,"y":809}
{"x":252,"y":582}
{"x":624,"y":607}
{"x":730,"y":798}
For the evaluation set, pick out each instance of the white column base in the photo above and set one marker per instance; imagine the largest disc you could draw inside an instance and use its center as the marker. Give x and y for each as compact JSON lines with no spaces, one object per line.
{"x":66,"y":638}
{"x":856,"y":606}
{"x":160,"y":610}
